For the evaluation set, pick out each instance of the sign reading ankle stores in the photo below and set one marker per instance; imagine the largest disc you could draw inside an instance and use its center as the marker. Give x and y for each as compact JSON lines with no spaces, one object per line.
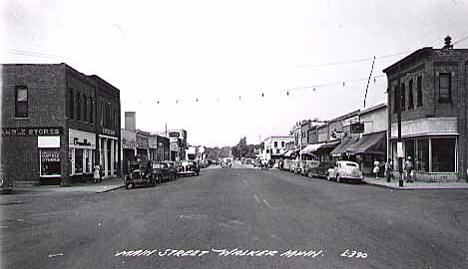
{"x":179,"y":253}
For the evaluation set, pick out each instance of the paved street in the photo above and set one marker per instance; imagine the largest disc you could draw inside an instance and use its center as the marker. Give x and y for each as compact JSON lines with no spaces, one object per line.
{"x":277,"y":219}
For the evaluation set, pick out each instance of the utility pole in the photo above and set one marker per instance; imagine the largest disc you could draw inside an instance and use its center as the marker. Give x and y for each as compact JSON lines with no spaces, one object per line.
{"x":399,"y":94}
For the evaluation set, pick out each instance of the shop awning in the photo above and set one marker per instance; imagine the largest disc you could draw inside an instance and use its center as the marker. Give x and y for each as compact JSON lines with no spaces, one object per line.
{"x":341,"y":148}
{"x":330,"y":145}
{"x":311,"y":148}
{"x":287,"y":153}
{"x":369,"y":144}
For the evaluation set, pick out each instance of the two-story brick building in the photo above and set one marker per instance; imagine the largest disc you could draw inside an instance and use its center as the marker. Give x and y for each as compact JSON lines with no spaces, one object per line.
{"x":430,"y":87}
{"x":52,"y":121}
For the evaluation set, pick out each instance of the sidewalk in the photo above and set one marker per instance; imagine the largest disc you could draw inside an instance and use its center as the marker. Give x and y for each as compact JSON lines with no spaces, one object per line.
{"x":104,"y":186}
{"x":382,"y":182}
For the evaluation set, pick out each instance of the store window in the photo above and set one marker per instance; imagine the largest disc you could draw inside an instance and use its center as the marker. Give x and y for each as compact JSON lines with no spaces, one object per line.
{"x":422,"y":155}
{"x":50,"y":162}
{"x":443,"y":154}
{"x":21,"y":102}
{"x":445,"y":91}
{"x":409,"y":148}
{"x":79,"y":161}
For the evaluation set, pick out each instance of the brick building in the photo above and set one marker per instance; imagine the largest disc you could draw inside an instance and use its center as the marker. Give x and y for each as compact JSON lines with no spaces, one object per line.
{"x":52,"y":122}
{"x":433,"y":87}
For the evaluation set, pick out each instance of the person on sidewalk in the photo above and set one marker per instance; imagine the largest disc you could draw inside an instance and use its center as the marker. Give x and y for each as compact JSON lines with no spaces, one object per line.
{"x":376,"y":169}
{"x":389,"y":170}
{"x":408,"y":167}
{"x":97,"y":173}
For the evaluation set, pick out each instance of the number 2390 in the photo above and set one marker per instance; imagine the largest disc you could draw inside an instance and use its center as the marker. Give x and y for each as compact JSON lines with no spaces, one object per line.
{"x":354,"y":254}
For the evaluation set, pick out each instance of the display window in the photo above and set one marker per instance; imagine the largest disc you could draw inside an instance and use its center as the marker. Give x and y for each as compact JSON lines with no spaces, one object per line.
{"x":78,"y":161}
{"x":50,"y":162}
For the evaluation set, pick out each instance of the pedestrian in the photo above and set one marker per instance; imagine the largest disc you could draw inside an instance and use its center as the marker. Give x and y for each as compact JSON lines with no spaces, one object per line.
{"x":408,"y":167}
{"x":389,"y":170}
{"x":376,"y":169}
{"x":100,"y":173}
{"x":97,"y":173}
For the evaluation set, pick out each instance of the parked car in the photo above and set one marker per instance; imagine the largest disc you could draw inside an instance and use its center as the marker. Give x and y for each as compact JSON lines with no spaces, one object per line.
{"x":287,"y":164}
{"x":307,"y":165}
{"x":295,"y":166}
{"x":226,"y":163}
{"x":148,"y":173}
{"x":188,"y":168}
{"x":345,"y":170}
{"x":320,"y":171}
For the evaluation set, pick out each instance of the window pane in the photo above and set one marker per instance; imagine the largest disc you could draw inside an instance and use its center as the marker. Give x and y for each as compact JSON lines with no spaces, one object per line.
{"x":22,"y":95}
{"x":50,"y":162}
{"x":22,"y":110}
{"x":409,"y":148}
{"x":443,"y":155}
{"x":422,"y":155}
{"x":444,"y":87}
{"x":78,"y":161}
{"x":444,"y":80}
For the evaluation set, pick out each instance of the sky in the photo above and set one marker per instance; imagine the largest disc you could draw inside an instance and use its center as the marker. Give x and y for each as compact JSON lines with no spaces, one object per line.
{"x":203,"y":65}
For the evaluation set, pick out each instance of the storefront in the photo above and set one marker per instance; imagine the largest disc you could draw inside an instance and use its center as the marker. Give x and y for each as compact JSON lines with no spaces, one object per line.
{"x":49,"y":157}
{"x":368,"y":149}
{"x":82,"y":152}
{"x":432,"y":145}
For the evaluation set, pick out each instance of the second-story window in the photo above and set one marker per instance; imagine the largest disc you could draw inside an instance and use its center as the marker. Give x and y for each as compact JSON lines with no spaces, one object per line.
{"x":282,"y":144}
{"x":445,"y":88}
{"x":21,"y":102}
{"x":410,"y":94}
{"x":275,"y":144}
{"x":78,"y":105}
{"x":395,"y":99}
{"x":403,"y":96}
{"x":91,"y":110}
{"x":419,"y":91}
{"x":71,"y":99}
{"x":85,"y":108}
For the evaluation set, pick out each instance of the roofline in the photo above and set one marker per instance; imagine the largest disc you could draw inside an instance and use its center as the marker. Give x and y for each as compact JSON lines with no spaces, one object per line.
{"x":373,"y":108}
{"x":413,"y":55}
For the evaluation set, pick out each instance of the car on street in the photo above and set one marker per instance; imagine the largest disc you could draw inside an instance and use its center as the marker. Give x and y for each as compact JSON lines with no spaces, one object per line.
{"x":148,"y":173}
{"x":172,"y":166}
{"x":226,"y":162}
{"x":189,"y":168}
{"x":320,"y":171}
{"x":345,"y":171}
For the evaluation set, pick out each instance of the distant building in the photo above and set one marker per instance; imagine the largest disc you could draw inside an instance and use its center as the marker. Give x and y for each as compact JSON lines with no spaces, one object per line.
{"x":179,"y":145}
{"x":434,"y":99}
{"x":57,"y":124}
{"x":275,"y":146}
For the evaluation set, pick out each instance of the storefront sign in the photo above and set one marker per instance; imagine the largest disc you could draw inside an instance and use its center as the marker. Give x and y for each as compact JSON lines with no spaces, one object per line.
{"x":50,"y":162}
{"x":400,"y":152}
{"x":108,"y":131}
{"x":32,"y":131}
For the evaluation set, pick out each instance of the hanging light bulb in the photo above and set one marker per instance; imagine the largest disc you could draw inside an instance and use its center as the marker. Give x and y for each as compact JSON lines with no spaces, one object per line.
{"x":263,"y":95}
{"x":287,"y":93}
{"x":343,"y":84}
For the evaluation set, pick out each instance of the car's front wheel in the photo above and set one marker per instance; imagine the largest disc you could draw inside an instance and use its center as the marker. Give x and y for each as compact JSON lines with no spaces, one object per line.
{"x":338,"y":178}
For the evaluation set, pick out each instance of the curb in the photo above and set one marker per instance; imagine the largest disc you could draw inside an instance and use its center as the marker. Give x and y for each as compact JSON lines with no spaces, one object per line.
{"x":415,"y":188}
{"x":111,"y":189}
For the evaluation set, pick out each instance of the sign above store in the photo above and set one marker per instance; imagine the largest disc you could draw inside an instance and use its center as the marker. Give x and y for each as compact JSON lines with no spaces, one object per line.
{"x":108,"y":131}
{"x":32,"y":131}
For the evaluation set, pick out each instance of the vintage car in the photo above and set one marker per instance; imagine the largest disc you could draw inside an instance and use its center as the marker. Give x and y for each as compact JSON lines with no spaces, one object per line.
{"x":321,"y":170}
{"x":226,"y":163}
{"x":6,"y":184}
{"x":188,"y":168}
{"x":295,"y":166}
{"x":172,"y":166}
{"x":345,"y":170}
{"x":148,"y":173}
